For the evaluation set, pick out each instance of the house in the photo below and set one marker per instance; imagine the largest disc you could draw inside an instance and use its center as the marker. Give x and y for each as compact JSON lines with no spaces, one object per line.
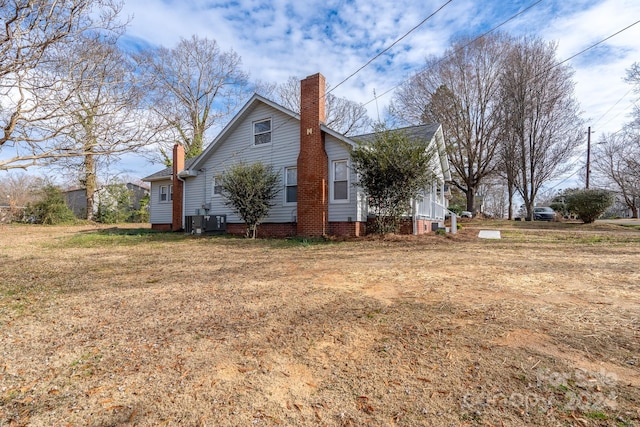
{"x":76,"y":199}
{"x":317,"y":194}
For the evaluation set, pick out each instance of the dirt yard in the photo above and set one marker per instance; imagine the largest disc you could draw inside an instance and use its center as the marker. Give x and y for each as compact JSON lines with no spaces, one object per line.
{"x":110,"y":327}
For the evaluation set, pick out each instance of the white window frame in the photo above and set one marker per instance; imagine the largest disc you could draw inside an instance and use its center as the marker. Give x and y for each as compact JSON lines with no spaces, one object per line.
{"x":213,"y":186}
{"x":333,"y":181}
{"x":286,"y":202}
{"x":168,"y":192}
{"x":256,"y":134}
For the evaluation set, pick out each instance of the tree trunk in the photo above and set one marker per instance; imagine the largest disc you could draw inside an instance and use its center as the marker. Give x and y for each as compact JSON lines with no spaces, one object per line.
{"x":511,"y":192}
{"x":90,"y":182}
{"x":471,"y":199}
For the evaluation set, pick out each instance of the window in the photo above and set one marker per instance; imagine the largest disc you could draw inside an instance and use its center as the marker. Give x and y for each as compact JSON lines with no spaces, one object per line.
{"x":163,"y":193}
{"x":291,"y":185}
{"x":262,"y":132}
{"x":217,"y":186}
{"x":166,"y":193}
{"x":340,"y":173}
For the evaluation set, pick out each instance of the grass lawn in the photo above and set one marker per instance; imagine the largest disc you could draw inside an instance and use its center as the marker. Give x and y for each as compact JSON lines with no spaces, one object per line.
{"x":122,"y":326}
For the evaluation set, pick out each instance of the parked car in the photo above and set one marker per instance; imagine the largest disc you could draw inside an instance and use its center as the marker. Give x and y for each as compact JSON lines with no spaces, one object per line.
{"x":466,"y":214}
{"x":544,"y":213}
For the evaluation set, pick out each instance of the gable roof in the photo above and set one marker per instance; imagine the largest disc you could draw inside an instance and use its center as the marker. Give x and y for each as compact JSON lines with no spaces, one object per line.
{"x":427,"y":131}
{"x":246,"y":110}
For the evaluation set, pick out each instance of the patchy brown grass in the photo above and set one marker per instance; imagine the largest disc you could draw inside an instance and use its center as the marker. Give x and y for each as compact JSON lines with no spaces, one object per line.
{"x":106,"y":327}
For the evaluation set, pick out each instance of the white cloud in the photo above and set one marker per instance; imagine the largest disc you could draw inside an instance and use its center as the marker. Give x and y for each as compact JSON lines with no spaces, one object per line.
{"x":281,"y":38}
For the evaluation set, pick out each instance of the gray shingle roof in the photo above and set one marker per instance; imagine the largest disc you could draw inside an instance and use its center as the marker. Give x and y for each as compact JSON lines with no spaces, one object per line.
{"x":425,"y":132}
{"x":168,"y":172}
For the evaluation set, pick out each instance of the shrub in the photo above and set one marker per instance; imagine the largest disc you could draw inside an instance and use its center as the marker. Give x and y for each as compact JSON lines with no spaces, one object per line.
{"x":50,"y":209}
{"x":142,"y":214}
{"x":249,"y":190}
{"x":588,"y":204}
{"x":393,"y":169}
{"x":114,"y":204}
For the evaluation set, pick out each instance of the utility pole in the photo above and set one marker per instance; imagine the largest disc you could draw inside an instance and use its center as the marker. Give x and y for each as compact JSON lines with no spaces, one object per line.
{"x":588,"y":156}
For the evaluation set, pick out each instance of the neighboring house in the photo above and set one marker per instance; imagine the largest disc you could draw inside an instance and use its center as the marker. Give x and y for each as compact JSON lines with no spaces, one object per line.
{"x":76,"y":199}
{"x":620,"y":209}
{"x":318,"y":196}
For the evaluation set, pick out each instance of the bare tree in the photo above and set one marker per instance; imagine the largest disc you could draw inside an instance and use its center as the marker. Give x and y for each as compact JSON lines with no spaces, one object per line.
{"x":615,"y":161}
{"x":632,"y":130}
{"x":494,"y":196}
{"x":508,"y":170}
{"x":101,"y":106}
{"x":460,"y":90}
{"x":541,"y":116}
{"x":344,"y":116}
{"x":192,"y":87}
{"x":31,"y":31}
{"x":19,"y":189}
{"x":633,"y":77}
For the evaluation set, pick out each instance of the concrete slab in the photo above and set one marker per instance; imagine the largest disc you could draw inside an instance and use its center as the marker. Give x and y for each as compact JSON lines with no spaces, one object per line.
{"x":489,"y":234}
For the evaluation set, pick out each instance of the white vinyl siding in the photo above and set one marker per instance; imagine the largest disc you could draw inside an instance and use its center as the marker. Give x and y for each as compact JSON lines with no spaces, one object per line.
{"x":354,"y":207}
{"x":159,"y":212}
{"x":238,"y":146}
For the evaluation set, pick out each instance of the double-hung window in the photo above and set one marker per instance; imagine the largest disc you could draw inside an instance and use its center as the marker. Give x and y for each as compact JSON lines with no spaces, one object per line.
{"x":216,"y":186}
{"x":262,"y":132}
{"x":166,"y":193}
{"x":291,"y":185}
{"x":340,"y":180}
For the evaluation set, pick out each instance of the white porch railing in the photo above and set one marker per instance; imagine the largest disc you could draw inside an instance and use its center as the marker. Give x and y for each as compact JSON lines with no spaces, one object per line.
{"x":431,"y":210}
{"x":438,"y":211}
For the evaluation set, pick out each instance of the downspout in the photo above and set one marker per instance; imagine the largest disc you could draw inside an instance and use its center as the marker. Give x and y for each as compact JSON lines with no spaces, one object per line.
{"x":204,"y":196}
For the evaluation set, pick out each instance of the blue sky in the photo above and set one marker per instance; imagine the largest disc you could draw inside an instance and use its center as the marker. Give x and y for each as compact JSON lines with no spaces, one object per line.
{"x":281,"y":38}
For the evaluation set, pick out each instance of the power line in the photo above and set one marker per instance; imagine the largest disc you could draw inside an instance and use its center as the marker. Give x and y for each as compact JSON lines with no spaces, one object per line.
{"x":565,"y":179}
{"x":631,"y":104}
{"x":594,"y":45}
{"x":493,"y":29}
{"x":464,"y":46}
{"x":378,"y":55}
{"x":391,"y":45}
{"x":613,"y":106}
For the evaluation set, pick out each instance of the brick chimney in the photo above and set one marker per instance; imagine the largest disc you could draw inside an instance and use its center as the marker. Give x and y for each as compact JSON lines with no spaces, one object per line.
{"x":178,"y":188}
{"x":313,"y":164}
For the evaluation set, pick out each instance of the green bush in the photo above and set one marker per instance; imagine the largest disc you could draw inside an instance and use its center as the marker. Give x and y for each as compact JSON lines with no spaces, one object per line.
{"x":393,"y":169}
{"x":588,"y":204}
{"x":51,"y":209}
{"x":249,"y":190}
{"x":142,"y":214}
{"x":114,"y":204}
